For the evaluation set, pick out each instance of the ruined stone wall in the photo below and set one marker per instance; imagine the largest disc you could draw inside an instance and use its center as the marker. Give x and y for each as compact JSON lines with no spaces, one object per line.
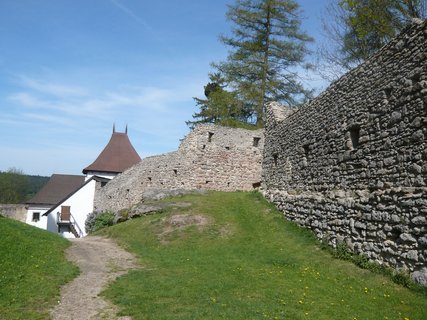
{"x":210,"y":157}
{"x":352,"y":164}
{"x":14,"y":211}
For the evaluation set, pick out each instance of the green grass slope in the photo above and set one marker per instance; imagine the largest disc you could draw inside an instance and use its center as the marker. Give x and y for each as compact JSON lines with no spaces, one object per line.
{"x":32,"y":269}
{"x":233,"y":256}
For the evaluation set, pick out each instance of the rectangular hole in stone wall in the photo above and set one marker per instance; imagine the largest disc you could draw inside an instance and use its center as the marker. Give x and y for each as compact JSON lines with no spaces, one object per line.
{"x":256,"y":185}
{"x":355,"y":136}
{"x":275,"y":159}
{"x":210,"y":135}
{"x":256,"y":141}
{"x":306,"y":149}
{"x":175,"y":172}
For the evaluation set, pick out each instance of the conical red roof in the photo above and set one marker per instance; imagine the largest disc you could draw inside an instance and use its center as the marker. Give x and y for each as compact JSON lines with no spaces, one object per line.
{"x":117,"y":156}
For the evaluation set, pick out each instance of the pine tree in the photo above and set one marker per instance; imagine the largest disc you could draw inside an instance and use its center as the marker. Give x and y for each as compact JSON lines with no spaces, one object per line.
{"x":357,"y":29}
{"x":266,"y":46}
{"x":219,"y":105}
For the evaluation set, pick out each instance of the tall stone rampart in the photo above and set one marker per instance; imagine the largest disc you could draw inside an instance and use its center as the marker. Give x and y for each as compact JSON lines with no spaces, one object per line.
{"x":211,"y":157}
{"x":352,"y":164}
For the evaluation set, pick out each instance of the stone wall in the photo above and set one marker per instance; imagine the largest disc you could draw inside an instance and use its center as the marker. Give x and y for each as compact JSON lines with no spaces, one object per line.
{"x":210,"y":157}
{"x":14,"y":211}
{"x":352,"y":164}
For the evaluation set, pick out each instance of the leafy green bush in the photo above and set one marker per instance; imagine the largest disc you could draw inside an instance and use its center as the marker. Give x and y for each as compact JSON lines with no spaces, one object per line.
{"x":98,"y":220}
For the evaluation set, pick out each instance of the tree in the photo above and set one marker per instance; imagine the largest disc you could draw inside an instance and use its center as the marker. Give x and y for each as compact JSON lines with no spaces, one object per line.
{"x":266,"y":47}
{"x":13,"y":185}
{"x":357,"y":29}
{"x":220,"y":106}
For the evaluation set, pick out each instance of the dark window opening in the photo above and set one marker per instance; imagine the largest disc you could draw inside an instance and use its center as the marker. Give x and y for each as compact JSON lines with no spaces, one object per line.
{"x":306,"y":149}
{"x":36,"y":216}
{"x":256,"y":185}
{"x":355,"y":136}
{"x":256,"y":141}
{"x":127,"y":190}
{"x":149,"y":178}
{"x":227,"y":148}
{"x":175,"y":172}
{"x":210,"y":135}
{"x":275,"y":159}
{"x":228,"y":184}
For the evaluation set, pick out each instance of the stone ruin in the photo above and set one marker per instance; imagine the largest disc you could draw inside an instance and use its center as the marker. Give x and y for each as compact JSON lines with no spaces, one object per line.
{"x":351,"y":165}
{"x":211,"y":157}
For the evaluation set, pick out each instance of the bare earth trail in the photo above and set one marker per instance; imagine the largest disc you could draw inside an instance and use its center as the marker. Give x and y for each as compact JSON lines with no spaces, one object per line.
{"x":100,"y":261}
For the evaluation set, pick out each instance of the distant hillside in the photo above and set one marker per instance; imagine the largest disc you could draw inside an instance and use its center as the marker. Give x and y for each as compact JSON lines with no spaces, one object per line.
{"x":16,"y":187}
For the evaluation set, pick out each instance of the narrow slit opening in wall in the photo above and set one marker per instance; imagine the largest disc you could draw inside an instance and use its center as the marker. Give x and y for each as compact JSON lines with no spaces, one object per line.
{"x":210,"y":135}
{"x":275,"y":159}
{"x":306,"y":150}
{"x":256,"y":141}
{"x":175,"y":172}
{"x":355,"y":136}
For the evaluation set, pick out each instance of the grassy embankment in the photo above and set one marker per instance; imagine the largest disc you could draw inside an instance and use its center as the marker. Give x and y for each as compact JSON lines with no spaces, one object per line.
{"x":239,"y":259}
{"x":32,"y":269}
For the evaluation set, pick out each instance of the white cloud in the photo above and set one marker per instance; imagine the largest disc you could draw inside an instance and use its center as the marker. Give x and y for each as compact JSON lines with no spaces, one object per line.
{"x":55,"y":89}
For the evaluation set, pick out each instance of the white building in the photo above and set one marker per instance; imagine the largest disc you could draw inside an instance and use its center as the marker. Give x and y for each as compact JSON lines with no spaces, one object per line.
{"x":63,"y":204}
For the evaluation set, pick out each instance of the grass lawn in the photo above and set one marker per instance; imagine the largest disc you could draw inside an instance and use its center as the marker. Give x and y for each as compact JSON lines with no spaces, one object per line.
{"x":32,"y":269}
{"x":237,"y":258}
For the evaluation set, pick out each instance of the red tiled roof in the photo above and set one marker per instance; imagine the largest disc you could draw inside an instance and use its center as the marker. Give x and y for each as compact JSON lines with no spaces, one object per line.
{"x":117,"y":156}
{"x":57,"y":188}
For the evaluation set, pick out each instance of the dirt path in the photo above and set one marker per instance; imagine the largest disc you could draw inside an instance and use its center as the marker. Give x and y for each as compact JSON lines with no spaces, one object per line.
{"x":100,"y":261}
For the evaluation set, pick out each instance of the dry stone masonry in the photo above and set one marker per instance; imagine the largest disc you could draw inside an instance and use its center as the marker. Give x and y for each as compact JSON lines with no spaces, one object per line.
{"x":352,"y":164}
{"x":210,"y":157}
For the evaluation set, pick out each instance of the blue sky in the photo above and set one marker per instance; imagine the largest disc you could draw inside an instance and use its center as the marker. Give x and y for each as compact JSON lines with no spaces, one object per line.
{"x":69,"y":69}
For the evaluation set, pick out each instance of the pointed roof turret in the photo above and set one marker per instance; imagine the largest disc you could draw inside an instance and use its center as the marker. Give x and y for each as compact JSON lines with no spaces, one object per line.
{"x":117,"y":156}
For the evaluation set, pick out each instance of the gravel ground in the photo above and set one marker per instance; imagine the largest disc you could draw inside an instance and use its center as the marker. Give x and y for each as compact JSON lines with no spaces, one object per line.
{"x":100,"y":261}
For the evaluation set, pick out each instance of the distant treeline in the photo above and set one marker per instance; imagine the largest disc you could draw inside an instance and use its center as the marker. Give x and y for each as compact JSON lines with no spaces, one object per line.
{"x":17,"y":187}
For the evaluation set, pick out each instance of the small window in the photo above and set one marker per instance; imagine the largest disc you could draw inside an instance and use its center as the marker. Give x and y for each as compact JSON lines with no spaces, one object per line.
{"x":175,"y":172}
{"x":256,"y":141}
{"x":227,"y":148}
{"x":306,"y":149}
{"x":149,"y":178}
{"x":256,"y":185}
{"x":36,"y":216}
{"x":354,"y":136}
{"x":275,"y":159}
{"x":210,"y":135}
